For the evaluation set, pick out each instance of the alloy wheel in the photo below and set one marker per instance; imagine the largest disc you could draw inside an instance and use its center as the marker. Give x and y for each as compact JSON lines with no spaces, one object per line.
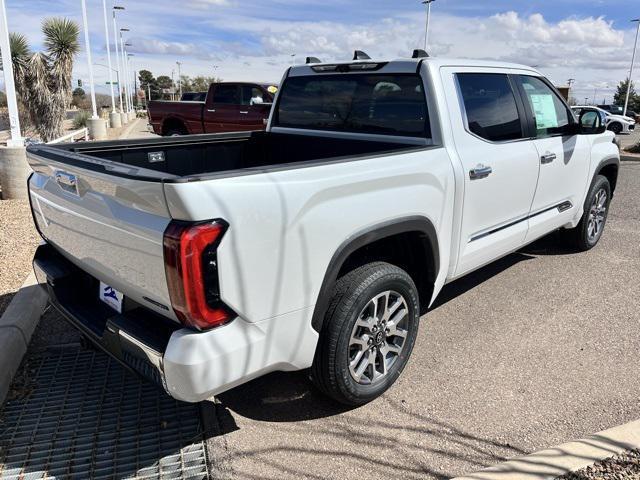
{"x":597,"y":215}
{"x":378,"y":337}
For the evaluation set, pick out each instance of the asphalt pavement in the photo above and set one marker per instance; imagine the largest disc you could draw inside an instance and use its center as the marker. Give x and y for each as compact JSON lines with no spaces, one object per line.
{"x":532,"y":351}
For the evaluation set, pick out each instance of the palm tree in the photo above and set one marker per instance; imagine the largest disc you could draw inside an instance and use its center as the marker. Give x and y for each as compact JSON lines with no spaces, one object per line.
{"x":43,"y":79}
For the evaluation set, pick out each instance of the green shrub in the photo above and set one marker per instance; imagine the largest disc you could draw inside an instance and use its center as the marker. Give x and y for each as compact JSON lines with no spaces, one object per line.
{"x":81,"y":119}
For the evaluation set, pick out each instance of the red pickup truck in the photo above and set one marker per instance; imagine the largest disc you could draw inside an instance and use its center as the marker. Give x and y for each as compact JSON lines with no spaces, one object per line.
{"x":229,"y":107}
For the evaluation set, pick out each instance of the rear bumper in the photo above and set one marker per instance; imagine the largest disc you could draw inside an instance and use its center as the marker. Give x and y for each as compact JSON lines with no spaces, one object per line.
{"x":137,"y":338}
{"x":190,"y":366}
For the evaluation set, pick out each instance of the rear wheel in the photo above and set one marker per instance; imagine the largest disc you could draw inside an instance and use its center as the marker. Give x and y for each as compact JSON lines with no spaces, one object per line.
{"x":368,"y":334}
{"x":615,"y":128}
{"x":173,"y":133}
{"x":596,"y":209}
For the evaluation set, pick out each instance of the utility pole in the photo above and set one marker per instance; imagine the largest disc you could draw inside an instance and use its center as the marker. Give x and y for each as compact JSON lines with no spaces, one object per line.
{"x":9,"y":82}
{"x":633,"y":59}
{"x":293,"y":59}
{"x":179,"y":79}
{"x":426,"y":32}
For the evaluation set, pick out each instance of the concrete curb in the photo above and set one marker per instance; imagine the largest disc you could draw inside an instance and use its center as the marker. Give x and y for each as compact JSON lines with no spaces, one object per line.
{"x":17,"y":324}
{"x":550,"y":464}
{"x":629,"y":157}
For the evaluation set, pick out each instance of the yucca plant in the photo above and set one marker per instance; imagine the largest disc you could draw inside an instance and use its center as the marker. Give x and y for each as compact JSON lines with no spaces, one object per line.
{"x":43,"y":79}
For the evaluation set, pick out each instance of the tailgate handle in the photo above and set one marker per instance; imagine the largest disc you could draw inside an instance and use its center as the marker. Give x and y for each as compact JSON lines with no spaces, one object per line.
{"x":67,"y":181}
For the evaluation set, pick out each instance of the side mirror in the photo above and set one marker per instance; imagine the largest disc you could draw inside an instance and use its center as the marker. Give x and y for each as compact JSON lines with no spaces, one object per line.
{"x":593,"y":122}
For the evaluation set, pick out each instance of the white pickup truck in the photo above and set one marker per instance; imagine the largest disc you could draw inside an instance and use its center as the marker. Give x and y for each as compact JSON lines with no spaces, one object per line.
{"x":202,"y":262}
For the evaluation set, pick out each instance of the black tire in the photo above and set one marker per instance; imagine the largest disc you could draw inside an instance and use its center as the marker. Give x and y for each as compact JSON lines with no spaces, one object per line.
{"x":173,"y":132}
{"x":353,"y":293}
{"x":615,"y":128}
{"x":581,"y":237}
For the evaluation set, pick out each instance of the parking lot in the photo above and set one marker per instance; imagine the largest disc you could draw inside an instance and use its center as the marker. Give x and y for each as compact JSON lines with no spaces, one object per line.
{"x":536,"y":349}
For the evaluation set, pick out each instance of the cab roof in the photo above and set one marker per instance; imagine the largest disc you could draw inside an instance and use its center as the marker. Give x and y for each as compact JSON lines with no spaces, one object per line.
{"x":401,"y":65}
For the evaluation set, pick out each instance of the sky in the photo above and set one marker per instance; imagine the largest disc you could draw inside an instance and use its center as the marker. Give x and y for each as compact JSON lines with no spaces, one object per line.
{"x":253,"y":40}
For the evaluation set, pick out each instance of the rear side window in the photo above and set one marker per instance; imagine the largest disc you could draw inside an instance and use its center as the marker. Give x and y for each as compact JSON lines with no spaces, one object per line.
{"x":490,"y":106}
{"x":359,"y":103}
{"x":228,"y":94}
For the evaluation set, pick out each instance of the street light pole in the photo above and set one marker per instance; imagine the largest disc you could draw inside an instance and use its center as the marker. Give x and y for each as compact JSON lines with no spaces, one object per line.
{"x":106,"y":37}
{"x":125,"y":74}
{"x":87,"y":46}
{"x":132,"y":71}
{"x":115,"y":41}
{"x":426,"y":32}
{"x":179,"y":79}
{"x":633,"y":59}
{"x":9,"y":82}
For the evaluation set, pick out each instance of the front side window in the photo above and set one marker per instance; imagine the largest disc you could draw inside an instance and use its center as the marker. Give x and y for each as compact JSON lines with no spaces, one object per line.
{"x":550,"y":115}
{"x":490,"y":106}
{"x":359,"y":103}
{"x":226,"y":94}
{"x":252,"y":95}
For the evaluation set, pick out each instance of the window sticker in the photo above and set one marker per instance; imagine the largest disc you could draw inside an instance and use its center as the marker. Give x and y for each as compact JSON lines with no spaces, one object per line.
{"x":544,"y":110}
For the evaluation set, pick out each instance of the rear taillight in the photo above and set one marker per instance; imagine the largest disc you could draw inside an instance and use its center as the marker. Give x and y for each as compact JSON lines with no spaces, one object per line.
{"x":191,"y":265}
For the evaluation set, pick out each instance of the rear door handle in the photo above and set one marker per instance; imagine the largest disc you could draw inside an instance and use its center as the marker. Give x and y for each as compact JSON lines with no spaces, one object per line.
{"x":244,"y":113}
{"x":547,"y":158}
{"x":212,"y":110}
{"x":481,"y":171}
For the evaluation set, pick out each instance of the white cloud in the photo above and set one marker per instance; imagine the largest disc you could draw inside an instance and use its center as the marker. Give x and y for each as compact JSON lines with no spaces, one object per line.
{"x":590,"y":31}
{"x":204,"y":4}
{"x":253,"y":40}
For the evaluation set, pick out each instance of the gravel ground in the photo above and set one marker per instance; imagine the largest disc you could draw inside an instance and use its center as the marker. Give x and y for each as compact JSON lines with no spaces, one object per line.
{"x":18,"y":240}
{"x":624,"y":466}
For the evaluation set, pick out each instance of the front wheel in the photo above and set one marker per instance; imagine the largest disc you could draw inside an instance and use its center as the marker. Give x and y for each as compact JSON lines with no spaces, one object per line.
{"x":596,"y":209}
{"x":368,"y":334}
{"x":615,"y":128}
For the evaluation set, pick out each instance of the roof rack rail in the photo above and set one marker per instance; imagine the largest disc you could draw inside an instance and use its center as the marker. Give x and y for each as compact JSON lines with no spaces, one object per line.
{"x":313,"y":60}
{"x":419,"y":53}
{"x":360,"y":55}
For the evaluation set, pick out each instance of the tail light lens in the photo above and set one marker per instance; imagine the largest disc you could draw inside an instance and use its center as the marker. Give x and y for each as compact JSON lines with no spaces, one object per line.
{"x":191,"y":266}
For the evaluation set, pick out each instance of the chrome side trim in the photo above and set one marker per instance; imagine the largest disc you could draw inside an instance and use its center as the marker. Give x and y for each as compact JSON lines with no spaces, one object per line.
{"x":561,"y":207}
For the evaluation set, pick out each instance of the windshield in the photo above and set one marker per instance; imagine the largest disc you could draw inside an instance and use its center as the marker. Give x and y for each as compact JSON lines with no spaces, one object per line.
{"x":359,"y":103}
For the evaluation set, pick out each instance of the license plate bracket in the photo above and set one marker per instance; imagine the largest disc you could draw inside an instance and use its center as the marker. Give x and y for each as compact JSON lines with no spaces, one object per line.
{"x":111,"y":297}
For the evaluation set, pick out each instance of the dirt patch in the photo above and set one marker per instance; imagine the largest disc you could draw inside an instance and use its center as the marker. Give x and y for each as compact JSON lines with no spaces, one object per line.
{"x":18,"y":241}
{"x":626,"y":465}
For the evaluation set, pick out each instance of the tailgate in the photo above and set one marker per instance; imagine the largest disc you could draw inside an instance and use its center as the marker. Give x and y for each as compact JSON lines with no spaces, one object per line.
{"x":106,"y":222}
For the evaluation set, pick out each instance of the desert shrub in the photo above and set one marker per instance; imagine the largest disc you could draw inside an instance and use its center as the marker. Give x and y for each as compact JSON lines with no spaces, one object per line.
{"x":80,"y":120}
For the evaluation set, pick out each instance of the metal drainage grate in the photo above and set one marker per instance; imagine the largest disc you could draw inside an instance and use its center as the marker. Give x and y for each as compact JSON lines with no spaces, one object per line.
{"x":87,"y":417}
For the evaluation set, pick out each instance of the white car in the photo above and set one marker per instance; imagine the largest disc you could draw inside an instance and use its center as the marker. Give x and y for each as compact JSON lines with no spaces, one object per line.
{"x":204,"y":261}
{"x":618,"y":124}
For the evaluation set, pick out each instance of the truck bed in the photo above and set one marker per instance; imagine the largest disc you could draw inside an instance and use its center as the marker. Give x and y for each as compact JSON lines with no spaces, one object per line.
{"x":198,"y":156}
